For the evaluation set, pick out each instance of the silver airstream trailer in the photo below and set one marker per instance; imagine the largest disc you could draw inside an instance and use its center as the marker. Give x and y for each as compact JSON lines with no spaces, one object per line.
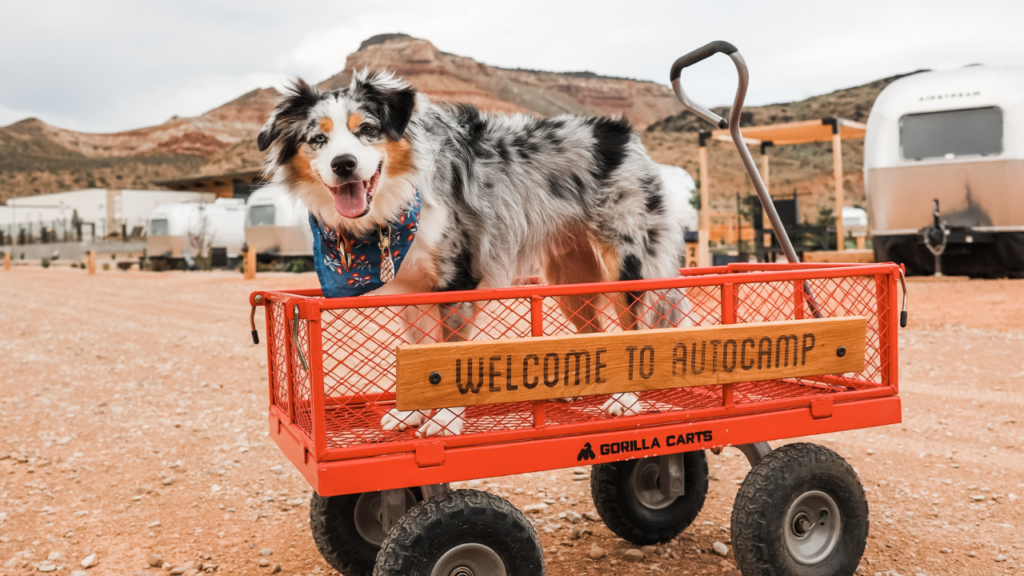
{"x":944,"y":172}
{"x":175,"y":229}
{"x":277,"y":226}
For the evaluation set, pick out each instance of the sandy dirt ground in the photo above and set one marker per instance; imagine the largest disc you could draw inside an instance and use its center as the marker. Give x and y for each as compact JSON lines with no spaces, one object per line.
{"x":132,"y":409}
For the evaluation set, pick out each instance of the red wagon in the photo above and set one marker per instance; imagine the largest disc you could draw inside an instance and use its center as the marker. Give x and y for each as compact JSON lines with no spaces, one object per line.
{"x":382,"y":505}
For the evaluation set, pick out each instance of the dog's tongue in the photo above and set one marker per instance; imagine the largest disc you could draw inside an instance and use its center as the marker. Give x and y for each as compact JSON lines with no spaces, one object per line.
{"x":350,"y":199}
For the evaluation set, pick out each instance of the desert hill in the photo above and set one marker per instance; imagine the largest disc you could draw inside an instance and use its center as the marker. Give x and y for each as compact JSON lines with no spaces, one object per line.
{"x":38,"y":158}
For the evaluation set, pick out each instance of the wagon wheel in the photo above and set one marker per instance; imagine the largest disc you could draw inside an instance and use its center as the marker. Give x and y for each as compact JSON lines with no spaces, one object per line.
{"x":348,"y":529}
{"x":800,"y":511}
{"x":639,"y":505}
{"x":462,"y":533}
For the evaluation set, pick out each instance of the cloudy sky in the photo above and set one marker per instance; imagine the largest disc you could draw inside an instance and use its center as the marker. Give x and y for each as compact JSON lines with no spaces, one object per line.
{"x":108,"y":65}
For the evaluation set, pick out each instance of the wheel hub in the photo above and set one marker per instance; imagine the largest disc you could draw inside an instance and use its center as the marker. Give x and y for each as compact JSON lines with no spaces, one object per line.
{"x":470,"y":559}
{"x":646,"y":483}
{"x":812,"y":527}
{"x":369,"y":516}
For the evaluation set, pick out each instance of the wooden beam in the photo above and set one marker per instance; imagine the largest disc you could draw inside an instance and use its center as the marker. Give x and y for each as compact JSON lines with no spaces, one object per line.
{"x":543,"y":368}
{"x":249,"y":264}
{"x":704,"y":229}
{"x":837,"y":163}
{"x":90,"y":262}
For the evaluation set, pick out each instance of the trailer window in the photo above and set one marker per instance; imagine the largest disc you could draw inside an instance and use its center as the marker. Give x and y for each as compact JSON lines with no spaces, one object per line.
{"x":158,"y":228}
{"x":261,"y":215}
{"x":973,"y":132}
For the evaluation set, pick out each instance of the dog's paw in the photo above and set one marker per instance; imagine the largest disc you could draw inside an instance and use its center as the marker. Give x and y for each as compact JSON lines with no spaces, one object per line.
{"x":445,"y":422}
{"x":626,"y":404}
{"x":399,"y":420}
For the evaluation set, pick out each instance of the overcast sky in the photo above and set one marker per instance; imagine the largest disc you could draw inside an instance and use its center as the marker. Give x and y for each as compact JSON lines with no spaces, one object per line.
{"x":108,"y":65}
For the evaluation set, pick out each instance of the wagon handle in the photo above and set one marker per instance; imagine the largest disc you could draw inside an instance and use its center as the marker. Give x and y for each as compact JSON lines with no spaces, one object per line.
{"x":295,"y":338}
{"x":702,"y":53}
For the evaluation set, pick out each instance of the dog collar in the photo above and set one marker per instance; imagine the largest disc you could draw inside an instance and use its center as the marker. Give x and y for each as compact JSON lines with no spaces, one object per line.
{"x":353,"y":266}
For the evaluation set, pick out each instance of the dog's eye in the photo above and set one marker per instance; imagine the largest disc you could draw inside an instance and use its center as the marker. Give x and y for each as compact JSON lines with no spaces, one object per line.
{"x":369,"y":131}
{"x":319,"y":139}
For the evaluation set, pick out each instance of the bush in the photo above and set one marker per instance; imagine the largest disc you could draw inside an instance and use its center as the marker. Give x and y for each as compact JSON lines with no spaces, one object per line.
{"x":147,"y":265}
{"x":106,"y":266}
{"x":46,"y":262}
{"x":298,"y":265}
{"x":180,"y":265}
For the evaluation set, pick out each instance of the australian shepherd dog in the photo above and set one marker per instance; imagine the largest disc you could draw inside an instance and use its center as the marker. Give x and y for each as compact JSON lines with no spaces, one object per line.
{"x":501,"y":196}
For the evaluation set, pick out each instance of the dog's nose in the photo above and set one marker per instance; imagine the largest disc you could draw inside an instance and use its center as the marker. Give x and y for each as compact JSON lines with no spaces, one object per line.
{"x":343,"y":165}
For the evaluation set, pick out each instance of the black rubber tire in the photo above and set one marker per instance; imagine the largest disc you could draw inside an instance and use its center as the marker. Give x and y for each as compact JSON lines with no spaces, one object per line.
{"x":332,"y":521}
{"x":765,"y":497}
{"x":616,"y":503}
{"x":433,"y":527}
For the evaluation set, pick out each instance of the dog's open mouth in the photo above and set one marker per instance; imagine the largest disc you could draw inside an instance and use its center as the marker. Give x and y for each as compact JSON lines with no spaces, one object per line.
{"x":352,"y":199}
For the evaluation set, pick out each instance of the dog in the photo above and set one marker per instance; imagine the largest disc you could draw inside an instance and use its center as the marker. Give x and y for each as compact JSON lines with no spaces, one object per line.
{"x":498,"y":196}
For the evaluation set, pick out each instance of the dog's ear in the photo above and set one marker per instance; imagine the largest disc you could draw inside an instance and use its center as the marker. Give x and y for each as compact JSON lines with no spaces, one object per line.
{"x":293,"y":107}
{"x":392,"y":99}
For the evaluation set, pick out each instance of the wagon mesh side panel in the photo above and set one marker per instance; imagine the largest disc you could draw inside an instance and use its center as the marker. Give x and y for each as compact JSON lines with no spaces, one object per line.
{"x":278,"y":361}
{"x":359,"y":363}
{"x":301,"y":379}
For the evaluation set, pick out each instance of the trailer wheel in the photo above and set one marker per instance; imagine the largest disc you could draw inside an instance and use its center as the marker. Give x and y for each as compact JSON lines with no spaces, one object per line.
{"x":801,"y":511}
{"x":462,"y":533}
{"x":629,"y":498}
{"x":348,"y":531}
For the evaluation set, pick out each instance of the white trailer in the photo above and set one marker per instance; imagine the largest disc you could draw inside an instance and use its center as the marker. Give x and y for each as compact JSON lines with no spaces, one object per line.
{"x":681,"y":185}
{"x":174,"y":228}
{"x":955,"y":137}
{"x":277,"y":225}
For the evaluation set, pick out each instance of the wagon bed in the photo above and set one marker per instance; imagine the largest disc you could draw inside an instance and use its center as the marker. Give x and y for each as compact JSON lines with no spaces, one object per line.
{"x":332,"y":378}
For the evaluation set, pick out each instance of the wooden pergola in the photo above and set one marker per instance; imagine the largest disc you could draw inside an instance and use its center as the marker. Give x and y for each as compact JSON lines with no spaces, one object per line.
{"x":827,"y":129}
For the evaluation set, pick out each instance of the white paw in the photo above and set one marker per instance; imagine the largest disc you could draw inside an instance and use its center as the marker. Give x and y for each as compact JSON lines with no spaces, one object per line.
{"x":445,"y":422}
{"x":626,"y":404}
{"x":399,"y":420}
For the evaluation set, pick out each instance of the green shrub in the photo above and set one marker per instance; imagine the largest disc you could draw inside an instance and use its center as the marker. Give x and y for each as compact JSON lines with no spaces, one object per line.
{"x":298,"y":265}
{"x":106,"y":266}
{"x":46,"y":262}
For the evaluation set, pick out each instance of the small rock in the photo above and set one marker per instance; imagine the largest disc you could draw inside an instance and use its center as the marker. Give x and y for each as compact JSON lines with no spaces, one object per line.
{"x":573,"y":517}
{"x":977,"y":497}
{"x":519,"y":491}
{"x":474,"y":484}
{"x":575,"y":533}
{"x":153,"y":524}
{"x":56,"y":557}
{"x":534,"y":508}
{"x":720,"y":549}
{"x":166,"y":566}
{"x":972,"y":553}
{"x":89,"y":561}
{"x":167,"y":481}
{"x":266,"y":552}
{"x":549,"y":502}
{"x":946,"y":551}
{"x":592,"y":516}
{"x":155,"y":560}
{"x":264,"y":562}
{"x":633,"y":555}
{"x":79,"y":573}
{"x":47,"y":567}
{"x":596,"y":552}
{"x":277,"y":568}
{"x":141,"y":573}
{"x":1000,"y":558}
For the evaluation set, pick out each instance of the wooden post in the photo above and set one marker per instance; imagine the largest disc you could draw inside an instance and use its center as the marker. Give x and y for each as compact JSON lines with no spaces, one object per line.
{"x":860,"y":242}
{"x":249,"y":264}
{"x":7,"y":261}
{"x":704,"y":229}
{"x":837,"y":163}
{"x":765,"y":223}
{"x":90,"y":262}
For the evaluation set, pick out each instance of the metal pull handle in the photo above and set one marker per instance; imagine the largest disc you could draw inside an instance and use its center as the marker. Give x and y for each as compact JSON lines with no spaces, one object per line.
{"x":258,"y":299}
{"x":703,"y":53}
{"x":295,"y":338}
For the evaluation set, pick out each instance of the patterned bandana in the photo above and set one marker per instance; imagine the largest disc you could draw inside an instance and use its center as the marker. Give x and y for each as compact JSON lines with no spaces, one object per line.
{"x":355,"y":266}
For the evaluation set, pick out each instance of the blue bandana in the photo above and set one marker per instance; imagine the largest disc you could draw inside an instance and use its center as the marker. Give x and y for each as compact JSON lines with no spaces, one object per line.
{"x":352,"y":266}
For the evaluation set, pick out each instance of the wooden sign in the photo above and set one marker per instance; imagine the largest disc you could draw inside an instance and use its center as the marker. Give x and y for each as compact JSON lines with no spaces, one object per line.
{"x":524,"y":369}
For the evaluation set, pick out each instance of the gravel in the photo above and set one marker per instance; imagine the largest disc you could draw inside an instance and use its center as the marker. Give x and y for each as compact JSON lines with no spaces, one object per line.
{"x":596,"y":552}
{"x":266,"y":552}
{"x":155,"y":560}
{"x":90,"y":561}
{"x":720,"y":549}
{"x":633,"y":555}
